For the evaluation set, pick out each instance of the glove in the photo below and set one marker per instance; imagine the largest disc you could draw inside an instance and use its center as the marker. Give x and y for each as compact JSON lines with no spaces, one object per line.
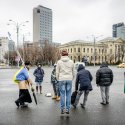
{"x":32,"y":89}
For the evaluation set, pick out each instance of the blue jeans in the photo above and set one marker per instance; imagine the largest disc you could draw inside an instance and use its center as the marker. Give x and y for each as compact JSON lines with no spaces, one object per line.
{"x":65,"y":90}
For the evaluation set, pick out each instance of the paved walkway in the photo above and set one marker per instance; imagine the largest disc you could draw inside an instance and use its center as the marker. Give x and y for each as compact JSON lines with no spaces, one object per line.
{"x":47,"y":111}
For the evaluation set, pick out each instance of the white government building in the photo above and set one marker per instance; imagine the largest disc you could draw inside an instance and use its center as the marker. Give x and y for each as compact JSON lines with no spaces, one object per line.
{"x":109,"y":49}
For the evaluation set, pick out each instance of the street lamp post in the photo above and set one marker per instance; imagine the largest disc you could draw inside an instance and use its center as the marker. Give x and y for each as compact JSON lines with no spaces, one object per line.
{"x":94,"y":51}
{"x":94,"y":46}
{"x":18,"y":25}
{"x":24,"y":45}
{"x":17,"y":28}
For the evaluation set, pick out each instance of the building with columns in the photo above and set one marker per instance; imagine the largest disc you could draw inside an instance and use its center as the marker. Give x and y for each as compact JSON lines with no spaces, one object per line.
{"x":109,"y":49}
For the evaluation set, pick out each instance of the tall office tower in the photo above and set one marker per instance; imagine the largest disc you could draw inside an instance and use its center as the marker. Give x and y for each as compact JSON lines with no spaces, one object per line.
{"x":118,"y":30}
{"x":42,"y":24}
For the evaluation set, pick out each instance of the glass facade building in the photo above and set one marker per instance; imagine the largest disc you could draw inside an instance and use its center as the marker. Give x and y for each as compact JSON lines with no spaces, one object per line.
{"x":118,"y":30}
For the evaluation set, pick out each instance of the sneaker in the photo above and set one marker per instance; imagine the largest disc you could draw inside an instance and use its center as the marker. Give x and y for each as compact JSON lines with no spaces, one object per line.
{"x":54,"y":97}
{"x":103,"y":103}
{"x":57,"y":98}
{"x":82,"y":105}
{"x":17,"y":103}
{"x":62,"y":111}
{"x":67,"y":111}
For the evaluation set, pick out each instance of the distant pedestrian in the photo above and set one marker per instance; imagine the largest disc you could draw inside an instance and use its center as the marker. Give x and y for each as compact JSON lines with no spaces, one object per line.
{"x":23,"y":80}
{"x":65,"y":75}
{"x":104,"y":78}
{"x":55,"y":85}
{"x":39,"y":74}
{"x":83,"y":80}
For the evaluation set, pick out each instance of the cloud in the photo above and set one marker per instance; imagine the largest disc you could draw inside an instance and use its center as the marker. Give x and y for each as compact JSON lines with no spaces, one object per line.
{"x":72,"y":19}
{"x":117,"y":10}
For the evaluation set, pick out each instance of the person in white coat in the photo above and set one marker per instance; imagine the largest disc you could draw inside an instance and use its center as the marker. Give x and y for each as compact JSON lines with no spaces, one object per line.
{"x":65,"y":75}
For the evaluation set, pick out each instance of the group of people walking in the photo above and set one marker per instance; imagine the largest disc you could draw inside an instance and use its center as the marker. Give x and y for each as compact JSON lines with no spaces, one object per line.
{"x":61,"y":78}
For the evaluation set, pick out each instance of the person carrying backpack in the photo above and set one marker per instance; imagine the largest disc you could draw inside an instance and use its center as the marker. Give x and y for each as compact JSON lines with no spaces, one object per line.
{"x":39,"y":74}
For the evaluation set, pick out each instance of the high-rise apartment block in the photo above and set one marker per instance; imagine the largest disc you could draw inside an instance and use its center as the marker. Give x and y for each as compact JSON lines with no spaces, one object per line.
{"x":118,"y":30}
{"x":42,"y":24}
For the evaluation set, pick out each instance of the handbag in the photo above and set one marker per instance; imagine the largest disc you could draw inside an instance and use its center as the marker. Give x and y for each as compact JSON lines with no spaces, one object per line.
{"x":73,"y":97}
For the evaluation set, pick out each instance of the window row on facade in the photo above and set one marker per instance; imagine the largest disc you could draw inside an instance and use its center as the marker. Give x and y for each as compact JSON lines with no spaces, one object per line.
{"x":86,"y":50}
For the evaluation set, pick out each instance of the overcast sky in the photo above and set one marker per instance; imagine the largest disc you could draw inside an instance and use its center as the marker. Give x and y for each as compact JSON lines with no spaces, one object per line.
{"x":72,"y":19}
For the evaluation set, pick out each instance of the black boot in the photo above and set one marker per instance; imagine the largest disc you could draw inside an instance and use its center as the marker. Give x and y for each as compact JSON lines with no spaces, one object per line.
{"x":40,"y":87}
{"x":37,"y":89}
{"x":17,"y":103}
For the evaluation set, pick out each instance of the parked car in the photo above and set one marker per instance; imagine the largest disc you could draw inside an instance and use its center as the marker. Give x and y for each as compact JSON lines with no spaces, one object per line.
{"x":2,"y":64}
{"x":122,"y":65}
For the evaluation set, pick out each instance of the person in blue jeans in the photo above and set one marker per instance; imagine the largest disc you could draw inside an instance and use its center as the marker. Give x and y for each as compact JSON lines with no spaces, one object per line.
{"x":65,"y":75}
{"x":65,"y":92}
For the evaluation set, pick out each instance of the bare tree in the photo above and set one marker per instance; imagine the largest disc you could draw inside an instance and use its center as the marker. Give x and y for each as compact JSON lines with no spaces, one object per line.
{"x":12,"y":57}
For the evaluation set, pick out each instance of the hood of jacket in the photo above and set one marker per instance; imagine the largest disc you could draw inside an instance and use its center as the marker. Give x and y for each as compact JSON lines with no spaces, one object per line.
{"x":80,"y":67}
{"x":65,"y":58}
{"x":104,"y":64}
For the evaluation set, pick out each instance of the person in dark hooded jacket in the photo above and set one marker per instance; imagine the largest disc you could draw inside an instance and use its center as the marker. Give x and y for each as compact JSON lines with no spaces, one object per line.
{"x":104,"y":78}
{"x":83,"y":82}
{"x":39,"y":74}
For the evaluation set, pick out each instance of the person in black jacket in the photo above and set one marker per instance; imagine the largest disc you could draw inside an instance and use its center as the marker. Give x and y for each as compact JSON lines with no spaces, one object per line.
{"x":39,"y":74}
{"x":104,"y":78}
{"x":83,"y":80}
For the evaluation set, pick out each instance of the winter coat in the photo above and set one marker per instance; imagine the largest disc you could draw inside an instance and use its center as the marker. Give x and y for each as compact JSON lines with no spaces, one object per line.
{"x":39,"y":74}
{"x":53,"y":76}
{"x":104,"y":75}
{"x":83,"y":78}
{"x":65,"y":69}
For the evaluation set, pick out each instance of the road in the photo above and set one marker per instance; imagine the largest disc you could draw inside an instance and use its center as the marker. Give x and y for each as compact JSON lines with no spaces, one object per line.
{"x":47,"y":111}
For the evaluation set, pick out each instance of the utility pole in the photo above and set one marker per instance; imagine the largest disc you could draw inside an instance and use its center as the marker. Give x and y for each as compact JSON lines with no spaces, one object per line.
{"x":23,"y":48}
{"x":18,"y":25}
{"x":95,"y":46}
{"x":8,"y":53}
{"x":94,"y":52}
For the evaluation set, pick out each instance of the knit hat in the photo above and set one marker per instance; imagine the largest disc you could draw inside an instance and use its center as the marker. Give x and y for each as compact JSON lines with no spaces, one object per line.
{"x":64,"y":53}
